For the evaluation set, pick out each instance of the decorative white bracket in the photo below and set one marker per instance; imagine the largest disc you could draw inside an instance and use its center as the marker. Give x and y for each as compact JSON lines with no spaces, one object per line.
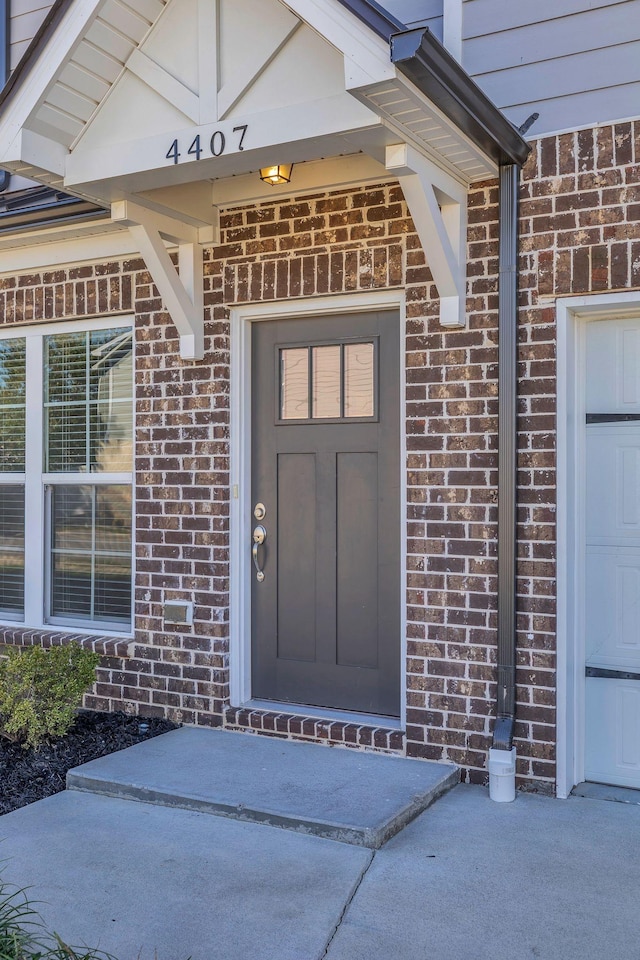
{"x":181,"y":289}
{"x":438,"y":206}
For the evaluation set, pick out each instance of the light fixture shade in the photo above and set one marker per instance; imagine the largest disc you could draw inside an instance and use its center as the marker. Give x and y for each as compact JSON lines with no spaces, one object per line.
{"x":278,"y":174}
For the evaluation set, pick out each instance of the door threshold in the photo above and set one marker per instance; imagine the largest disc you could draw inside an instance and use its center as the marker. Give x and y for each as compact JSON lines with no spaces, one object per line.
{"x":606,"y":791}
{"x":323,"y":713}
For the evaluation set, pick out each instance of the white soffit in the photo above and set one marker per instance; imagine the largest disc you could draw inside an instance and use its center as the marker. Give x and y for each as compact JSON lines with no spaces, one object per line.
{"x":132,"y":95}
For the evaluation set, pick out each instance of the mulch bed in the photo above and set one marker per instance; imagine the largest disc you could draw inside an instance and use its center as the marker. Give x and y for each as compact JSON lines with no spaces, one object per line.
{"x":29,"y":775}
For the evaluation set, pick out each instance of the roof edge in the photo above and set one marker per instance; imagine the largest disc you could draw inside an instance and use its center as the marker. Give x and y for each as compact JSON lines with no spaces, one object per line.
{"x":428,"y":64}
{"x":47,"y":27}
{"x":63,"y":209}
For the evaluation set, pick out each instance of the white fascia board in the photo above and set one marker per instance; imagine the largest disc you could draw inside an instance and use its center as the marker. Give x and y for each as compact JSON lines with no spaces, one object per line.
{"x":167,"y":223}
{"x":46,"y":68}
{"x":57,"y":253}
{"x":35,"y":150}
{"x":271,"y":129}
{"x":366,"y":54}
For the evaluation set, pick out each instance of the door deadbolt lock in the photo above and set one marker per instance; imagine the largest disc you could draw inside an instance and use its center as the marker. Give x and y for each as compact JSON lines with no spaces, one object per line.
{"x":259,"y":511}
{"x":259,"y":537}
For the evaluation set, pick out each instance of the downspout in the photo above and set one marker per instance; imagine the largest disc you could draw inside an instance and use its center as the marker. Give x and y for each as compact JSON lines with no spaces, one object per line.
{"x":5,"y":53}
{"x":502,"y":756}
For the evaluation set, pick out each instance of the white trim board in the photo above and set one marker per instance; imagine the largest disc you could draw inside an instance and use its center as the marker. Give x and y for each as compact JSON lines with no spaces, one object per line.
{"x":572,"y":314}
{"x":55,"y":253}
{"x":242,"y":317}
{"x":36,"y":481}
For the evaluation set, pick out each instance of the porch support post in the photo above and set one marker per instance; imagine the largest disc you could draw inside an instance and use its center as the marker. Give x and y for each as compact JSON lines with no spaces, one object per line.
{"x":181,"y":289}
{"x":438,"y":206}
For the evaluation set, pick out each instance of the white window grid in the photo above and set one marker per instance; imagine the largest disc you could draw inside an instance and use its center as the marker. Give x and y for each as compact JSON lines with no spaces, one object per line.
{"x":37,"y":482}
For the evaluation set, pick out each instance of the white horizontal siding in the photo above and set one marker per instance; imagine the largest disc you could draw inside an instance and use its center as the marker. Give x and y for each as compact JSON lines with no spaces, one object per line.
{"x":483,"y":17}
{"x":26,"y":18}
{"x":575,"y":62}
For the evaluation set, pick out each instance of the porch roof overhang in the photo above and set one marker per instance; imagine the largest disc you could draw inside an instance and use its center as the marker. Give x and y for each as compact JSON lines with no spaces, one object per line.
{"x":383,"y":98}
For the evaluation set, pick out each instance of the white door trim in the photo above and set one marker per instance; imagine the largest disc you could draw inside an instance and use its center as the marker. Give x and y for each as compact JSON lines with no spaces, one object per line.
{"x":242,"y":317}
{"x":572,"y":313}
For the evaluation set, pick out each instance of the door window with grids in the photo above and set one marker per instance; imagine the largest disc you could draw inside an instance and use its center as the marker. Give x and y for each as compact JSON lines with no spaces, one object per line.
{"x":328,"y":382}
{"x":66,"y":476}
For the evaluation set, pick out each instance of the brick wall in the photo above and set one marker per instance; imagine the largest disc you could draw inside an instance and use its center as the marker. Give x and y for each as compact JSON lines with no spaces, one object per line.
{"x":580,"y":233}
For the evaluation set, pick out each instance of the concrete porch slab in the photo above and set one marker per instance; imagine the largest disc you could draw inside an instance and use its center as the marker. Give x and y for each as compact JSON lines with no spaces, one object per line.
{"x":358,"y":798}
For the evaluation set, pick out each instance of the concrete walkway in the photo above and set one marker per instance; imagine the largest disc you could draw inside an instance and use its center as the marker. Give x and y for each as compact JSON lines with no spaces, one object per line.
{"x":467,"y":879}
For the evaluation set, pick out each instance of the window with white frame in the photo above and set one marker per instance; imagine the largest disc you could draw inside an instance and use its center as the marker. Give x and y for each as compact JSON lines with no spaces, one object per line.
{"x":66,"y":462}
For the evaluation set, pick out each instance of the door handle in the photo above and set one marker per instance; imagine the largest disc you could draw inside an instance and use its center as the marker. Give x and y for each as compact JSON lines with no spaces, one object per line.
{"x":259,"y":537}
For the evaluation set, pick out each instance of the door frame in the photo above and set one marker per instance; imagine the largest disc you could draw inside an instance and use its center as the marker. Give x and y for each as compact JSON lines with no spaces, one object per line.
{"x":572,"y":316}
{"x":242,"y":318}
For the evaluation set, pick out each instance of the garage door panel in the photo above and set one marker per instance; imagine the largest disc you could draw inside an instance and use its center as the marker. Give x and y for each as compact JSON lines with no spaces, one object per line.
{"x":613,"y":482}
{"x":613,"y":731}
{"x":613,"y":624}
{"x":613,"y":365}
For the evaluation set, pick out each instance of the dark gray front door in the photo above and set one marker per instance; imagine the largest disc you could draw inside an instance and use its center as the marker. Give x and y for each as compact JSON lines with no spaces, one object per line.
{"x":325,"y":454}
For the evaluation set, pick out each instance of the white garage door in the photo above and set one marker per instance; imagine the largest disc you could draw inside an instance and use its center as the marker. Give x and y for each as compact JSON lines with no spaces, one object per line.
{"x":612,"y":563}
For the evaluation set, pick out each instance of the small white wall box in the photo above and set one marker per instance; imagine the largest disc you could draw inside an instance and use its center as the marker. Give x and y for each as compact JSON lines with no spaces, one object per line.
{"x":177,"y":611}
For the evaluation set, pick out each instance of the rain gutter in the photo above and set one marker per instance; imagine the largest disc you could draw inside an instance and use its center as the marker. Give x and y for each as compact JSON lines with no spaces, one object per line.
{"x":507,"y":453}
{"x":5,"y":55}
{"x":425,"y":61}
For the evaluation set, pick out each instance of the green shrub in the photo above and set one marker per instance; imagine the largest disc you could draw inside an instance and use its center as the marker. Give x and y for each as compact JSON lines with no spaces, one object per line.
{"x":40,"y":691}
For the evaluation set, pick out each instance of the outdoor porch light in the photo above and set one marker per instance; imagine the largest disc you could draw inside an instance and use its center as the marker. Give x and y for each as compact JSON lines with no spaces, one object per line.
{"x":279,"y":174}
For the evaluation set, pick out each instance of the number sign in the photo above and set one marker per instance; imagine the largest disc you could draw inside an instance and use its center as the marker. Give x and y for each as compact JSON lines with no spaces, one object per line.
{"x":218,"y":144}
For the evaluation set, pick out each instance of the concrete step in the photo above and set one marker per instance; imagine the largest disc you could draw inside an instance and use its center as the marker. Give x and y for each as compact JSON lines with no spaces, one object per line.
{"x":346,"y":795}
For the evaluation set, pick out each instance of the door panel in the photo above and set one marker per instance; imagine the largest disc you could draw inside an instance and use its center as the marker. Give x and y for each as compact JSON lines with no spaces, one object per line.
{"x":325,"y":463}
{"x":357,"y":559}
{"x":613,"y":732}
{"x":296,"y":485}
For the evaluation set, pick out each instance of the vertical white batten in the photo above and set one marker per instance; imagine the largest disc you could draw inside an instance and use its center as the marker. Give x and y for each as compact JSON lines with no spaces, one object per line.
{"x":452,"y":14}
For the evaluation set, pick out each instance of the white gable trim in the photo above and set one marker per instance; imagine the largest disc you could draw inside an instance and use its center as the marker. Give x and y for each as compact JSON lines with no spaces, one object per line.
{"x":74,"y":24}
{"x":163,"y":83}
{"x":366,"y":55}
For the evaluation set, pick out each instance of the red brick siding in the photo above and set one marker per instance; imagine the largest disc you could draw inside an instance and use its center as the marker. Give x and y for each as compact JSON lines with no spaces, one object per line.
{"x":580,"y":221}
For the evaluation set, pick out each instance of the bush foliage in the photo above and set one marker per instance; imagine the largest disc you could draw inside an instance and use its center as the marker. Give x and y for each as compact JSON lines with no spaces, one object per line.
{"x":40,"y":691}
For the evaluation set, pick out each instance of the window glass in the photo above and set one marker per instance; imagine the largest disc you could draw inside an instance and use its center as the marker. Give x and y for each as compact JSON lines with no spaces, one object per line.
{"x":294,"y":380}
{"x":358,"y":380}
{"x":12,"y":405}
{"x":343,"y":381}
{"x":11,"y":550}
{"x":89,"y":401}
{"x":326,"y":382}
{"x":91,"y":552}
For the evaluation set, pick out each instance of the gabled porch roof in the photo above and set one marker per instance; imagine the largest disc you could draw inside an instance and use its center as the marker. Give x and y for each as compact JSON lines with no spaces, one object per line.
{"x":163,"y":111}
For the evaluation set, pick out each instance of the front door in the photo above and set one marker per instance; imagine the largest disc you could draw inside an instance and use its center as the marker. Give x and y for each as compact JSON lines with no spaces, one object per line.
{"x":612,"y":526}
{"x":325,"y":476}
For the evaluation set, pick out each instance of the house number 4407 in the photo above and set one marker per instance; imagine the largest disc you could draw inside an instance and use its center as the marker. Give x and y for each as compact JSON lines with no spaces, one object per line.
{"x":216,"y":146}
